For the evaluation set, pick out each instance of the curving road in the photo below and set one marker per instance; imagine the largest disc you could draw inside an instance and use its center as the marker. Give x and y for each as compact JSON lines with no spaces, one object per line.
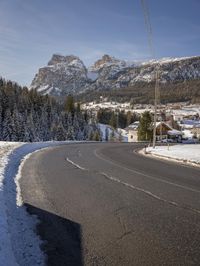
{"x":104,"y":204}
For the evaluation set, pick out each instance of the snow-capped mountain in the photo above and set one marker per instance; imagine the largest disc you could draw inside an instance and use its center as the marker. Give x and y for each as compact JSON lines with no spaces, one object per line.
{"x":62,"y":75}
{"x":108,"y":61}
{"x":106,"y":68}
{"x":68,"y":74}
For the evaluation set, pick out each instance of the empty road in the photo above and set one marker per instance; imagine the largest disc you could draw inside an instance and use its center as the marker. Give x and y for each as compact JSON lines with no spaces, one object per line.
{"x":104,"y":204}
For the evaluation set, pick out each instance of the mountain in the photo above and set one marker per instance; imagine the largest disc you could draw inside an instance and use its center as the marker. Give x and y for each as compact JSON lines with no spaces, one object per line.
{"x":62,"y":75}
{"x":108,"y":61}
{"x":114,"y":74}
{"x":68,"y":74}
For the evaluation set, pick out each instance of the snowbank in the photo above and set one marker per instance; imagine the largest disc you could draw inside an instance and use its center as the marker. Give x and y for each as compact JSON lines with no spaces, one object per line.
{"x":104,"y":127}
{"x":186,"y":153}
{"x":19,"y":245}
{"x":6,"y":253}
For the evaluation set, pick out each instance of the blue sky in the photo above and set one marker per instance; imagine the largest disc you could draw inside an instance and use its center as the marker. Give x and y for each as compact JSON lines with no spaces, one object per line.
{"x":32,"y":30}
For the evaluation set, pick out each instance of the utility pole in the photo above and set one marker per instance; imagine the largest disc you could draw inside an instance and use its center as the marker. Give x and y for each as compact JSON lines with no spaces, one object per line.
{"x":156,"y":105}
{"x":152,"y":51}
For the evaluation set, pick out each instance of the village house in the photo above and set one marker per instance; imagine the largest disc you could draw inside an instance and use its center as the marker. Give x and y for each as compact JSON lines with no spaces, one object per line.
{"x":132,"y":132}
{"x":163,"y":131}
{"x":196,"y":131}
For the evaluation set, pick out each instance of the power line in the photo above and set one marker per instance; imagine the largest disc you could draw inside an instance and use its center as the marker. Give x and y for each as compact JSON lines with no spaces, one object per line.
{"x":148,"y":27}
{"x":152,"y":51}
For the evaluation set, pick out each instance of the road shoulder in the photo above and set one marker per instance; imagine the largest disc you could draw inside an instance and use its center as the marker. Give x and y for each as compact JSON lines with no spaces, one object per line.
{"x":183,"y":156}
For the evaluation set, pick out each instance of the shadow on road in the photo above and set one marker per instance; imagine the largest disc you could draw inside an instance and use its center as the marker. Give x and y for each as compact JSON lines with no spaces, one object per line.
{"x":62,"y":238}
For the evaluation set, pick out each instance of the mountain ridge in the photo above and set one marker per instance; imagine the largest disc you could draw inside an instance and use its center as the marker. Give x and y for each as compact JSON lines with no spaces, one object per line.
{"x":68,"y":75}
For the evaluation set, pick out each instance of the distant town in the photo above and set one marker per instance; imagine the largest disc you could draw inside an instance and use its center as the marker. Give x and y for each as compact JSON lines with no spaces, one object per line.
{"x":177,"y":122}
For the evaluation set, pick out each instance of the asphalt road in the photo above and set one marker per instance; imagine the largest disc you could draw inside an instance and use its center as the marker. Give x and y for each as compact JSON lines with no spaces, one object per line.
{"x":104,"y":204}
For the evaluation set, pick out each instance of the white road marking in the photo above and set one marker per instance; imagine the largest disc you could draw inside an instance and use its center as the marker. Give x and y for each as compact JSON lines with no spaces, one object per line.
{"x":111,"y":178}
{"x":145,"y":175}
{"x":136,"y":188}
{"x":149,"y":193}
{"x":76,"y":165}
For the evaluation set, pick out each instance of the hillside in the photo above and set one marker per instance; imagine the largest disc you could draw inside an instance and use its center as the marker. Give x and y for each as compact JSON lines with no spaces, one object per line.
{"x":179,"y":78}
{"x":142,"y":92}
{"x":28,"y":116}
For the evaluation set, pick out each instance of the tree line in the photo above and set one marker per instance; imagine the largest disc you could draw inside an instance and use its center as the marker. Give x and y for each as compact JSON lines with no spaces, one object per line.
{"x":117,"y":119}
{"x":26,"y":115}
{"x":143,"y":93}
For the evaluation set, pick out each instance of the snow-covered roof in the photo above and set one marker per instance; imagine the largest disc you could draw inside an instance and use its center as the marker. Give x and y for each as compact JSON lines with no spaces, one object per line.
{"x":133,"y":126}
{"x":163,"y":123}
{"x":190,"y":122}
{"x":174,"y":132}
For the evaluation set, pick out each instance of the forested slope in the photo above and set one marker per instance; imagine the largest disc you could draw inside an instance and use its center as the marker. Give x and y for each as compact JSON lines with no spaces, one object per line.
{"x":28,"y":116}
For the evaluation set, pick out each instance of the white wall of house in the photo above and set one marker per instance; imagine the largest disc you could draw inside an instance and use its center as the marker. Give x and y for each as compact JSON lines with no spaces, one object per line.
{"x":196,"y":132}
{"x":178,"y":117}
{"x":132,"y":136}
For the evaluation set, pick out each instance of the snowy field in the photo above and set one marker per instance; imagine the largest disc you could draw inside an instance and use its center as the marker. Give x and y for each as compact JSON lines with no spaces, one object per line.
{"x":19,"y":245}
{"x":189,"y":153}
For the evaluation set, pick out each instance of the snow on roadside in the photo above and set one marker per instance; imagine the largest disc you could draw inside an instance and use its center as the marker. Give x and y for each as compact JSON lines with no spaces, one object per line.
{"x":19,"y":244}
{"x":189,"y":153}
{"x":6,"y":253}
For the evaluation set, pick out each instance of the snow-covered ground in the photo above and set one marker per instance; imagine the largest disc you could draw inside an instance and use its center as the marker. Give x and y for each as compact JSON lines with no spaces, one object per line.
{"x":184,"y":109}
{"x":126,"y":107}
{"x":6,"y":253}
{"x":188,"y":153}
{"x":103,"y":128}
{"x":19,"y":245}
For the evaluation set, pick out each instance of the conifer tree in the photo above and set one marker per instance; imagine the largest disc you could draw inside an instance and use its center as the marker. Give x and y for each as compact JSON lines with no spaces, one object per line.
{"x":7,"y":126}
{"x":113,"y":121}
{"x":26,"y":115}
{"x":145,"y":130}
{"x":96,"y":136}
{"x":69,"y":104}
{"x":106,"y":134}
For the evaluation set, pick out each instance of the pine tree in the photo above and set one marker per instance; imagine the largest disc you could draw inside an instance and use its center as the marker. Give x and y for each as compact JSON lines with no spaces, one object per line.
{"x":7,"y":126}
{"x":60,"y":133}
{"x":91,"y":135}
{"x":96,"y":136}
{"x":1,"y":120}
{"x":53,"y":131}
{"x":128,"y":118}
{"x":69,"y":104}
{"x":145,"y":131}
{"x":15,"y":125}
{"x":78,"y":108}
{"x":112,"y":135}
{"x":26,"y":115}
{"x":106,"y":134}
{"x":113,"y":121}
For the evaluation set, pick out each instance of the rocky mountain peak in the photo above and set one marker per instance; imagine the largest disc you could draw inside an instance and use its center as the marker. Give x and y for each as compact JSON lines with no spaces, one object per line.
{"x":105,"y":60}
{"x":57,"y":59}
{"x":62,"y":75}
{"x":68,"y":74}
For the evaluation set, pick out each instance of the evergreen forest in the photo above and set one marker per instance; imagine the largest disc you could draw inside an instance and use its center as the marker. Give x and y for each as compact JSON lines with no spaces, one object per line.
{"x":27,"y":116}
